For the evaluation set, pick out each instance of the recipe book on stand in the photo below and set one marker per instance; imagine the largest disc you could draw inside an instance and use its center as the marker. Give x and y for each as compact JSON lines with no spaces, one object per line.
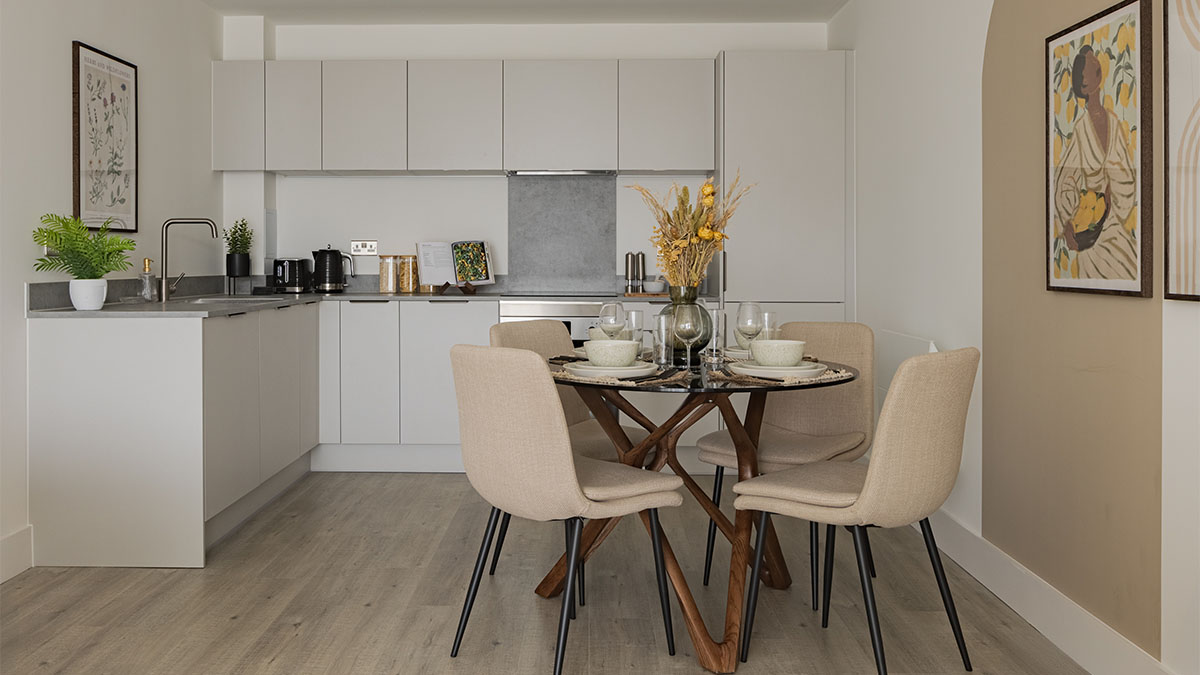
{"x":461,"y":263}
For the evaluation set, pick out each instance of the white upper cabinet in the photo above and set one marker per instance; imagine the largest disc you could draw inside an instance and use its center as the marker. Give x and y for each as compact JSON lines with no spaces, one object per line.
{"x":666,"y":114}
{"x":238,"y":109}
{"x":363,"y":115}
{"x":455,"y":115}
{"x":293,"y":115}
{"x":428,"y":330}
{"x":785,"y":130}
{"x":560,"y":115}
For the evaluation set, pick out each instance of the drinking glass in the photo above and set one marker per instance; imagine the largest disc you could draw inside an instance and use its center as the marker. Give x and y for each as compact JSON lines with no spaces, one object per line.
{"x":612,"y":319}
{"x":687,"y":327}
{"x":634,"y":322}
{"x":664,"y":350}
{"x":770,"y":325}
{"x":749,"y":321}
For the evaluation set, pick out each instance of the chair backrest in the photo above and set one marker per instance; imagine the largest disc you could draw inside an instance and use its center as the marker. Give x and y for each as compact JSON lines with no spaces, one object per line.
{"x":515,"y":445}
{"x":547,"y":338}
{"x":828,"y":411}
{"x":918,"y":445}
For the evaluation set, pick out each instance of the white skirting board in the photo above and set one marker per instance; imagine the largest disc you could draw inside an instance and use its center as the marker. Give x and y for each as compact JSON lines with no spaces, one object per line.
{"x":1092,"y":643}
{"x":16,"y":553}
{"x":429,"y":458}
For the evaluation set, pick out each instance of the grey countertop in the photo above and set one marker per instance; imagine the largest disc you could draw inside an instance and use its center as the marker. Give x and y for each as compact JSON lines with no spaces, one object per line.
{"x":221,"y":305}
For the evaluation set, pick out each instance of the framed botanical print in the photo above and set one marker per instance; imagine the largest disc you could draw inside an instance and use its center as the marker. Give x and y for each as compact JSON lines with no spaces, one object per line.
{"x":1099,"y":171}
{"x":1182,"y":94}
{"x":104,"y":93}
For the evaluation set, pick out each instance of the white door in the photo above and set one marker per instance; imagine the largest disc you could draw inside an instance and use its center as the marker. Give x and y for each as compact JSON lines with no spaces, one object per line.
{"x":666,"y":109}
{"x":428,"y":329}
{"x":293,"y":116}
{"x":231,"y":410}
{"x":370,"y":372}
{"x":560,"y":115}
{"x":363,"y":106}
{"x":455,"y":115}
{"x":785,"y":131}
{"x":280,"y":344}
{"x":238,"y":115}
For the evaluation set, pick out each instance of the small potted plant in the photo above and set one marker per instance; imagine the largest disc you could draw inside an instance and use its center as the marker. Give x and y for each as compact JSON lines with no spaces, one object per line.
{"x":237,"y":249}
{"x":85,"y":255}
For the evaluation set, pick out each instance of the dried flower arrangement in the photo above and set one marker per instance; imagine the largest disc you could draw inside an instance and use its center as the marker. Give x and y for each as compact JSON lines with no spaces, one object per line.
{"x":689,"y":235}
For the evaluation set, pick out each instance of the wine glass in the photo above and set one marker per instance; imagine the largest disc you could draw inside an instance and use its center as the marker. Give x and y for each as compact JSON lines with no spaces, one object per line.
{"x":687,"y":327}
{"x":635,"y":323}
{"x":749,"y":322}
{"x":612,"y":319}
{"x":770,"y":325}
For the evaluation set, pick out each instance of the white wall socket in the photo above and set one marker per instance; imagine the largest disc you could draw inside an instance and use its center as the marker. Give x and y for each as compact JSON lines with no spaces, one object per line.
{"x":364,"y":247}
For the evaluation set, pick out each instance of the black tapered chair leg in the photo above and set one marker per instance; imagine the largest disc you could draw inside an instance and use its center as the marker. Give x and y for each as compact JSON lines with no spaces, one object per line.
{"x":660,"y":573}
{"x":864,"y":576}
{"x":582,"y":598}
{"x":944,"y":587}
{"x":499,"y":542}
{"x":712,"y":524}
{"x":567,"y":528}
{"x":475,"y":577}
{"x":752,"y":601}
{"x":870,"y":556}
{"x":814,"y":549}
{"x":830,"y":538}
{"x":574,"y":528}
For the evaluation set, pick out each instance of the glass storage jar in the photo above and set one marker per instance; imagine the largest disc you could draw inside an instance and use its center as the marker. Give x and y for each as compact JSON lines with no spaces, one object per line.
{"x":407,"y":275}
{"x":389,"y":269}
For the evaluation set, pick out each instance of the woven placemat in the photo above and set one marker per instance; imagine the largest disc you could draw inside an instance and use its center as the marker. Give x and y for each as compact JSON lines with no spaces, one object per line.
{"x":678,"y":377}
{"x":830,"y":375}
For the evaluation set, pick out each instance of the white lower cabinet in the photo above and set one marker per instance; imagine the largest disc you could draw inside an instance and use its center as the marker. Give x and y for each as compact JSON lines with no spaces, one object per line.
{"x":231,"y":409}
{"x":370,"y":371}
{"x":428,"y":407}
{"x":307,"y":327}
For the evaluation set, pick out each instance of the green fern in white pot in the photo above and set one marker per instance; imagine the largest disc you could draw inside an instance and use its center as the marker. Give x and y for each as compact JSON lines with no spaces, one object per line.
{"x":87,"y":256}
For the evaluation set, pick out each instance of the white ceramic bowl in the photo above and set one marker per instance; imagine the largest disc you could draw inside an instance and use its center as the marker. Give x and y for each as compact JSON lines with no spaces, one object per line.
{"x":777,"y":352}
{"x":611,"y":353}
{"x":654,"y":286}
{"x":596,"y":333}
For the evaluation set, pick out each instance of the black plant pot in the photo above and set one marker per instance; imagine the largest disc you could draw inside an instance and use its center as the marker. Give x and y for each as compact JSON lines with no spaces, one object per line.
{"x":237,"y":264}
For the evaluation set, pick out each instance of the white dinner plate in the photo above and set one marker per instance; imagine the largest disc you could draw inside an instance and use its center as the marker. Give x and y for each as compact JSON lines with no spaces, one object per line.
{"x":585,"y":369}
{"x":736,"y":353}
{"x":805,"y":370}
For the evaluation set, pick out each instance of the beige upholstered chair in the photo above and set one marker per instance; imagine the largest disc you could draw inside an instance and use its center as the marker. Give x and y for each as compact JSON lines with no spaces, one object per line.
{"x":801,"y":427}
{"x":516,"y":449}
{"x":550,"y":338}
{"x":913,"y":467}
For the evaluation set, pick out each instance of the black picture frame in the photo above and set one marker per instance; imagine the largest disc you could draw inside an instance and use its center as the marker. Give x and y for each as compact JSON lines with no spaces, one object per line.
{"x":105,"y":147}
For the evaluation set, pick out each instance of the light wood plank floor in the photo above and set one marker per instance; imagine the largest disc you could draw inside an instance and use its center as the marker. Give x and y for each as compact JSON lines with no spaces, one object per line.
{"x":365,"y":573}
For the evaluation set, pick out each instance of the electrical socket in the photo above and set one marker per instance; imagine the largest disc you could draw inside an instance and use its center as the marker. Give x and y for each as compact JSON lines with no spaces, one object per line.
{"x":364,"y":247}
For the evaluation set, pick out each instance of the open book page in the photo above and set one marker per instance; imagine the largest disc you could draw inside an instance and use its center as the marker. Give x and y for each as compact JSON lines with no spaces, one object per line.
{"x":472,"y":263}
{"x":435,"y":263}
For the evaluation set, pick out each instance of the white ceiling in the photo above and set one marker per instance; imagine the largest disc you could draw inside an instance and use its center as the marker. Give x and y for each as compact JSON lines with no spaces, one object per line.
{"x":532,"y":11}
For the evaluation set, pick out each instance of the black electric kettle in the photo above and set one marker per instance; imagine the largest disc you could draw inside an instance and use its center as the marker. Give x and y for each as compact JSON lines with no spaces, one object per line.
{"x":328,"y":276}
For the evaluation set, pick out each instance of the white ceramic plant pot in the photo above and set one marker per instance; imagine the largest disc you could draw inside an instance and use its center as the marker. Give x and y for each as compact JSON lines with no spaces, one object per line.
{"x":87,"y":294}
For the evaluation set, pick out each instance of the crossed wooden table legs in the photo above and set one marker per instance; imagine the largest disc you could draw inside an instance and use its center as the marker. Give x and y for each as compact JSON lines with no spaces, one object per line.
{"x":717,"y":656}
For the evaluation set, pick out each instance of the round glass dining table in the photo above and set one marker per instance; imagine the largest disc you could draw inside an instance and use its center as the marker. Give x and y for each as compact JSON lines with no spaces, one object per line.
{"x":705,"y":391}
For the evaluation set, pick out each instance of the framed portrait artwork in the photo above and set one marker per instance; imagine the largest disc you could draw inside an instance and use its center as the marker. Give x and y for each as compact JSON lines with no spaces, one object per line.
{"x":1099,"y":171}
{"x":104,"y":93}
{"x":1182,"y":94}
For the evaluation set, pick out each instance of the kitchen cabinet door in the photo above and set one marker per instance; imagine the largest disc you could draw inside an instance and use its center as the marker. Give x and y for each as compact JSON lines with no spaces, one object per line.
{"x":370,"y":372}
{"x":560,"y":115}
{"x":666,"y":109}
{"x":363,"y":115}
{"x":279,"y":388}
{"x":231,"y":410}
{"x":455,"y":115}
{"x":788,"y":238}
{"x":293,"y":116}
{"x":329,"y":375}
{"x":308,"y":331}
{"x":238,"y":115}
{"x":428,"y":407}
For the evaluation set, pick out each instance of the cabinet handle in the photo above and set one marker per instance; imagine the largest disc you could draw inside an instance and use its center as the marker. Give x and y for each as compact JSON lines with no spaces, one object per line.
{"x":371,"y":302}
{"x":233,"y":314}
{"x":450,"y":301}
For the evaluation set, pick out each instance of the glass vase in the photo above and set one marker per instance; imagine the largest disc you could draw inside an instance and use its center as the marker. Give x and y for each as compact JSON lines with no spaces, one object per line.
{"x":687,"y":295}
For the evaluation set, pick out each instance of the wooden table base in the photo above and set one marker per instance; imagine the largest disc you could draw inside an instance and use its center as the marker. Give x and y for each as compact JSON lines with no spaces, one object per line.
{"x":719,"y":657}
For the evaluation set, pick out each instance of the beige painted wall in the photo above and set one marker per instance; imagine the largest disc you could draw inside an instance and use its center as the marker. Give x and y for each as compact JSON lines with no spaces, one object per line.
{"x":1072,"y":420}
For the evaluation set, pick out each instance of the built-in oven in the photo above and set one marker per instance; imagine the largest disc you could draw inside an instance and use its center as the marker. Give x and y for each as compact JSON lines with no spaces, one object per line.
{"x":577,"y":315}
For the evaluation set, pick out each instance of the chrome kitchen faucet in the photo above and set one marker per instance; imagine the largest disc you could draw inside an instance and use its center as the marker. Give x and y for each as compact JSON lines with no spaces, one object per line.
{"x":166,"y":286}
